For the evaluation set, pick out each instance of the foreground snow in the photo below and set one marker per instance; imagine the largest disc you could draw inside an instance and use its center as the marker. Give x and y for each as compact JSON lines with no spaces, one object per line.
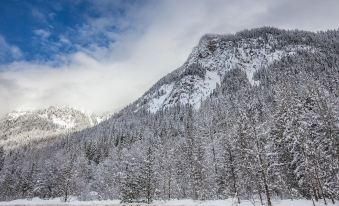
{"x":228,"y":202}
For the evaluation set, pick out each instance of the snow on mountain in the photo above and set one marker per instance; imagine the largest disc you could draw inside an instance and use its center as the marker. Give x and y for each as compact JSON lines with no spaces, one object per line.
{"x":20,"y":127}
{"x":207,"y":65}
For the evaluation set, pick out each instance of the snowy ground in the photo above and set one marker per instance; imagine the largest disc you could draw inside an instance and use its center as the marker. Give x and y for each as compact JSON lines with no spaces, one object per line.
{"x":229,"y":202}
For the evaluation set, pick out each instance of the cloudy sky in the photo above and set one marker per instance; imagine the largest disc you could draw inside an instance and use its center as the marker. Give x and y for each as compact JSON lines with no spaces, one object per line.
{"x":101,"y":55}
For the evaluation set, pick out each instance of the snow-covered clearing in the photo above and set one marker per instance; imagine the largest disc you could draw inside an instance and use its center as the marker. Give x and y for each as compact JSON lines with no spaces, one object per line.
{"x":228,"y":202}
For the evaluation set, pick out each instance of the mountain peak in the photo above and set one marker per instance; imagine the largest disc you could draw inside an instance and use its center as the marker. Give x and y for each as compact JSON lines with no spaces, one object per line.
{"x":212,"y":58}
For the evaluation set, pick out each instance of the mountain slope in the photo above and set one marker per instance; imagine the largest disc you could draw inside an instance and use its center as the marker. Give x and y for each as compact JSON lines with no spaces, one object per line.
{"x":211,"y":59}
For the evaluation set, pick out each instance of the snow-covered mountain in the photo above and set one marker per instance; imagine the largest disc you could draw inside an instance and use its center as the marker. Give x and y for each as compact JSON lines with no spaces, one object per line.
{"x":208,"y":63}
{"x":269,"y":129}
{"x":19,"y":127}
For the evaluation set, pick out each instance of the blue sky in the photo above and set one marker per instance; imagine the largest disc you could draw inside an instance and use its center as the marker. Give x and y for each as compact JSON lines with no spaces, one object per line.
{"x":43,"y":29}
{"x":100,"y":55}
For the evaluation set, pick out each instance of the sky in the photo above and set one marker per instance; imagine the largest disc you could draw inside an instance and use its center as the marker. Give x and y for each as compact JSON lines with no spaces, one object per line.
{"x":101,"y":55}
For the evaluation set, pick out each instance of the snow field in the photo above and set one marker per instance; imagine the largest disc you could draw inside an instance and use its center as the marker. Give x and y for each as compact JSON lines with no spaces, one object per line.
{"x":188,"y":202}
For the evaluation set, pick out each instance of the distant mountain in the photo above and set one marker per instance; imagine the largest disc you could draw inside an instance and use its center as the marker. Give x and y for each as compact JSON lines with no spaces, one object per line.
{"x":21,"y":127}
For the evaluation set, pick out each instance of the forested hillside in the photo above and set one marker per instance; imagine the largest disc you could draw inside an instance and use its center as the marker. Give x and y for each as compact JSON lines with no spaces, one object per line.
{"x":250,"y":115}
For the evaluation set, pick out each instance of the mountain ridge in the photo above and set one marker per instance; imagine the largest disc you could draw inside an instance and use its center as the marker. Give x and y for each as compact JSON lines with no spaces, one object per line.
{"x":208,"y":62}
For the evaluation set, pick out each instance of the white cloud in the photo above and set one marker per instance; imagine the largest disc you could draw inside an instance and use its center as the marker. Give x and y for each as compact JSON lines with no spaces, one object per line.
{"x":42,"y":33}
{"x":157,"y":39}
{"x":8,"y":52}
{"x":84,"y":84}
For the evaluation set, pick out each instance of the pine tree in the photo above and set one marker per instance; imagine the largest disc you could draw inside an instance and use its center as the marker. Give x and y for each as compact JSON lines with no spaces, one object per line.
{"x":2,"y":157}
{"x":148,"y":176}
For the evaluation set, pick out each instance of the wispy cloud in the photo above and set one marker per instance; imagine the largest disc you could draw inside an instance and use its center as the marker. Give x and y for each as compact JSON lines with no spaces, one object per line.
{"x":9,"y":52}
{"x":38,"y":15}
{"x":42,"y":33}
{"x":153,"y":39}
